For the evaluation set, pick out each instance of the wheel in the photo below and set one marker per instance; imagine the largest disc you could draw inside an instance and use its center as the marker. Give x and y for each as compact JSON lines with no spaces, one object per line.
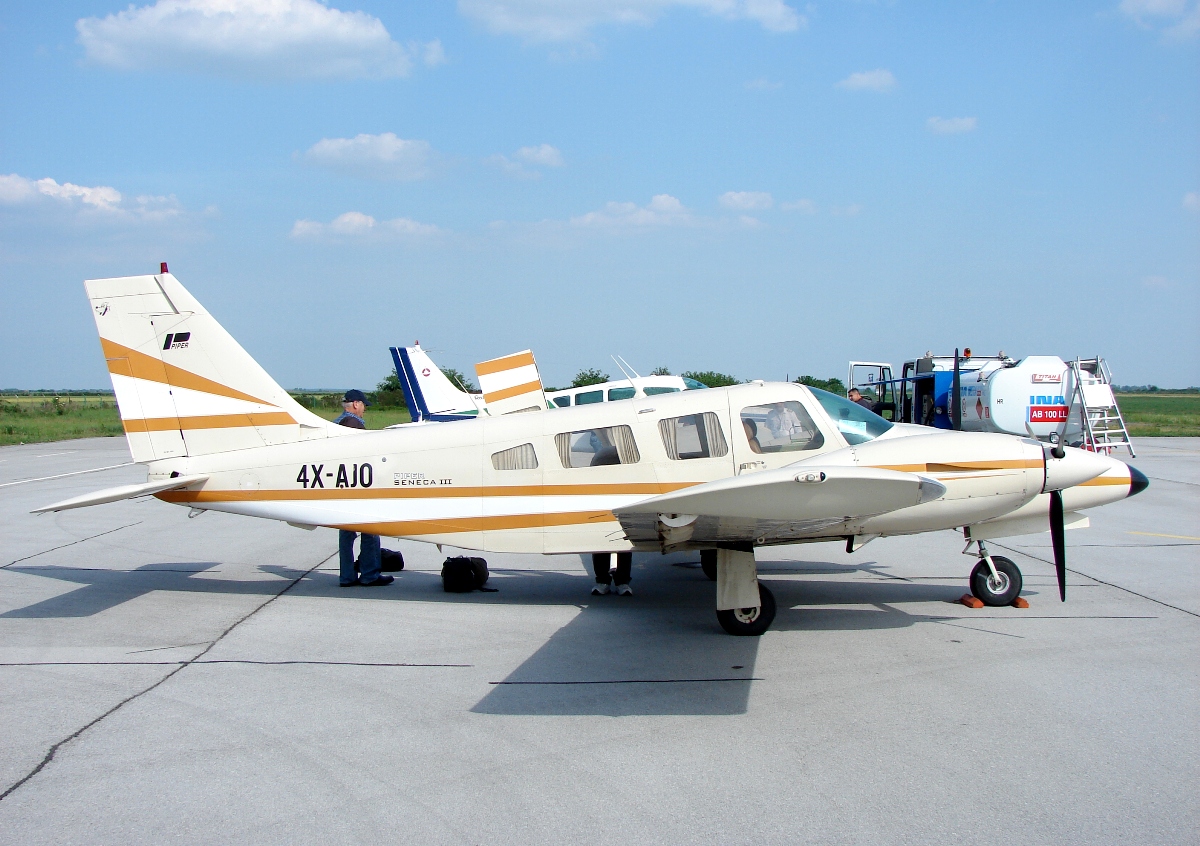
{"x":708,"y":563}
{"x":996,"y":592}
{"x":750,"y":622}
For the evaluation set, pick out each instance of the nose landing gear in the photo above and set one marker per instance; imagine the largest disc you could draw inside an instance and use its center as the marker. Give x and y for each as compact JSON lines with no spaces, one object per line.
{"x":995,"y":581}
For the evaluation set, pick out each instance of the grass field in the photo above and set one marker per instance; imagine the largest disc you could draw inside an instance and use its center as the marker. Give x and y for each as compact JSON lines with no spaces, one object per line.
{"x":1161,"y":415}
{"x":37,"y":419}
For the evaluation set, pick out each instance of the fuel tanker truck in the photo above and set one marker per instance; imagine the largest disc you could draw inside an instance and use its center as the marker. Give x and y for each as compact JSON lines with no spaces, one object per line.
{"x":1040,"y":395}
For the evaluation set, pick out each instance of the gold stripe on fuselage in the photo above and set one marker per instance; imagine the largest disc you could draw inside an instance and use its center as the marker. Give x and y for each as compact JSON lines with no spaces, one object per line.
{"x":452,"y":525}
{"x":431,"y":492}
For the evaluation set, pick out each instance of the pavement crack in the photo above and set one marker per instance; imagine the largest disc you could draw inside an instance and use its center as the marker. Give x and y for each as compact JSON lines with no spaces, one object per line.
{"x":1101,"y":581}
{"x":72,"y":543}
{"x":183,"y":665}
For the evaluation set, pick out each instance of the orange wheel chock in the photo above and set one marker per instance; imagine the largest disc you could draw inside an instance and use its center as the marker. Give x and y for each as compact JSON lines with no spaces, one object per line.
{"x":1020,"y":602}
{"x":971,"y":601}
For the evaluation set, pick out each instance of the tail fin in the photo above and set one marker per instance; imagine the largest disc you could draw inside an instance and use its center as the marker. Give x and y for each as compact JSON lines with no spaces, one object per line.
{"x":430,"y":395}
{"x":511,"y":384}
{"x":184,"y":386}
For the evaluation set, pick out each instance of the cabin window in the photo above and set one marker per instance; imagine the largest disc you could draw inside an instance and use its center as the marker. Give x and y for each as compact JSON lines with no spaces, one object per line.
{"x":662,"y":389}
{"x":589,"y":397}
{"x":620,"y":393}
{"x":596,"y":447}
{"x":516,"y":458}
{"x":693,"y":436}
{"x":562,"y":402}
{"x":780,"y":427}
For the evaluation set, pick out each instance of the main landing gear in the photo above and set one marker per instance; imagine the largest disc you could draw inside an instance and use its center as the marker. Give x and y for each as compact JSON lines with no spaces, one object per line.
{"x":995,"y":580}
{"x":745,"y":607}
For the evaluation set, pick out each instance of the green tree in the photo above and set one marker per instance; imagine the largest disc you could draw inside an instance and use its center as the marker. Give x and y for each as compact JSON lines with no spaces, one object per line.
{"x":591,"y":376}
{"x":459,"y":379}
{"x":388,"y":394}
{"x":834,"y":385}
{"x":661,"y":371}
{"x":711,"y":378}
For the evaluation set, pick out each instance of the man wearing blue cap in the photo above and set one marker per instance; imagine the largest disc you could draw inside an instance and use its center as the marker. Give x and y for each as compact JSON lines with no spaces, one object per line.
{"x":366,"y":571}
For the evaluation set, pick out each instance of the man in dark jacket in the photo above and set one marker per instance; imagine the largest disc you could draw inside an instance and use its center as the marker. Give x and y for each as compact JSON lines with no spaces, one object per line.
{"x":366,"y":570}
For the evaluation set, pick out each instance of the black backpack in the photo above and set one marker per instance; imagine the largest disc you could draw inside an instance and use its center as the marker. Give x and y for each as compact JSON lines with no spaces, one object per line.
{"x":463,"y":575}
{"x":391,"y":561}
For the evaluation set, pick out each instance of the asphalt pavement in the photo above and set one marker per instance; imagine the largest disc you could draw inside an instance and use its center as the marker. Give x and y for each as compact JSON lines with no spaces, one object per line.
{"x":168,"y":679}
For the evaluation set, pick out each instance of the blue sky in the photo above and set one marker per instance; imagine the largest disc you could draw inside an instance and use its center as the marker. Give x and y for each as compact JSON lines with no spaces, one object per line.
{"x":751,"y":186}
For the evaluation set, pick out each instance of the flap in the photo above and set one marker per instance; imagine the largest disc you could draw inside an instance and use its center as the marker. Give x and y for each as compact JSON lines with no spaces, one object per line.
{"x":122,"y":492}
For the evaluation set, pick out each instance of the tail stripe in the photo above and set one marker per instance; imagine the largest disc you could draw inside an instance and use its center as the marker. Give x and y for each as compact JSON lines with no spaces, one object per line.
{"x":211,"y":421}
{"x":142,"y":366}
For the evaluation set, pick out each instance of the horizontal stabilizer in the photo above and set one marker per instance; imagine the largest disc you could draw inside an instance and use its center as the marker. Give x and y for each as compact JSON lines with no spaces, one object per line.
{"x":798,"y":493}
{"x":121,"y":492}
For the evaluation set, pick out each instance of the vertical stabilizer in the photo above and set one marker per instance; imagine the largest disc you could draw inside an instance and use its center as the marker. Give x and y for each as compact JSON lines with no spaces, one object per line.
{"x":511,"y":384}
{"x":430,"y":395}
{"x":184,"y":386}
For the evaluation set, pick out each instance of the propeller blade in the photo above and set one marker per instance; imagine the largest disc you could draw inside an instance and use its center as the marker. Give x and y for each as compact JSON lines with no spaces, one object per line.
{"x":1060,"y":548}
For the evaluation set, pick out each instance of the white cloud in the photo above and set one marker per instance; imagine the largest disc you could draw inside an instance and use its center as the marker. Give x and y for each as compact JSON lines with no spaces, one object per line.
{"x":554,"y":20}
{"x":763,"y":84}
{"x":846,"y":211}
{"x":374,"y":156}
{"x":278,"y":39}
{"x":98,"y":202}
{"x":875,"y":80}
{"x":1191,"y":201}
{"x":541,"y":155}
{"x":361,"y":226}
{"x":662,"y":210}
{"x":1157,"y":283}
{"x":1176,"y":19}
{"x":432,"y":54}
{"x":802,"y":206}
{"x":746,"y":200}
{"x":951,"y":126}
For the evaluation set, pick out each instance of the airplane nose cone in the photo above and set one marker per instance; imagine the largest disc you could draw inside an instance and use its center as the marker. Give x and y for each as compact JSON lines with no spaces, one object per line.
{"x":1137,"y":481}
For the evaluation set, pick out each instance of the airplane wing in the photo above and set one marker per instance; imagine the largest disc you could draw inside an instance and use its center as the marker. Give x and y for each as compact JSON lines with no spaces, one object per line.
{"x":775,"y":504}
{"x":121,"y":492}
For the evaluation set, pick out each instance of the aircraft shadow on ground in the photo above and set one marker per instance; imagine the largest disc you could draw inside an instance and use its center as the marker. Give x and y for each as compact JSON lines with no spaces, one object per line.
{"x":101,"y":590}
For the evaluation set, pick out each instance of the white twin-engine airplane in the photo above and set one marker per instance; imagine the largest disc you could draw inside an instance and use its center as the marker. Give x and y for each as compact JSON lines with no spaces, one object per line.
{"x":723,"y":471}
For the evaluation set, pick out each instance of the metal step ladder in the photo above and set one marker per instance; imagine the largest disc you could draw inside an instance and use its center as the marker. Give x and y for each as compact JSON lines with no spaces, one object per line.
{"x":1102,"y":426}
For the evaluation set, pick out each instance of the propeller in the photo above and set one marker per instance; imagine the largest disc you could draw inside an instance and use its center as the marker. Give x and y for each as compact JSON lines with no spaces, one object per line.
{"x":1060,"y":547}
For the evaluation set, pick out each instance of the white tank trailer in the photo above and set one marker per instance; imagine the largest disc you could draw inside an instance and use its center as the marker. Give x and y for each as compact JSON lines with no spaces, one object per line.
{"x":1041,"y":395}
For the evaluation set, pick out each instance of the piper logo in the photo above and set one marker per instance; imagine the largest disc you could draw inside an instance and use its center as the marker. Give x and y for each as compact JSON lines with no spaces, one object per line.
{"x":176,"y":340}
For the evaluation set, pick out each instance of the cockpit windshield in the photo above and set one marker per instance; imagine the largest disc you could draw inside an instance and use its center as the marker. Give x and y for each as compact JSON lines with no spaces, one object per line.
{"x":856,"y":423}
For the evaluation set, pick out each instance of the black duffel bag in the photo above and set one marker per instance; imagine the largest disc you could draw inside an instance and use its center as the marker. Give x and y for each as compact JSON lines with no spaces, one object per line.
{"x":462,"y":574}
{"x":390,"y":561}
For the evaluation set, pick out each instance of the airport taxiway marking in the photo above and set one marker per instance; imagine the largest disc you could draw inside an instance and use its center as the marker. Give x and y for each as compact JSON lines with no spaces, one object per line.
{"x":1160,"y":535}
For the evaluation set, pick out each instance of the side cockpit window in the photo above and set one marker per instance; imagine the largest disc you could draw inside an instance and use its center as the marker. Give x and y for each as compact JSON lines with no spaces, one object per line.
{"x":693,"y":436}
{"x":596,"y":447}
{"x":780,"y":427}
{"x":516,"y":458}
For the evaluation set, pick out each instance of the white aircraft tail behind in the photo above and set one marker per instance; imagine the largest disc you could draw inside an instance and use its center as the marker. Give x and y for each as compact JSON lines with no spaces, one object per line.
{"x":184,"y":386}
{"x":429,"y":394}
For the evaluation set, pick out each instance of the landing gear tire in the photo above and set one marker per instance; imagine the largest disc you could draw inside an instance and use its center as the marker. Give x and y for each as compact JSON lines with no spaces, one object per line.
{"x":708,"y":563}
{"x":750,"y":622}
{"x":996,"y":592}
